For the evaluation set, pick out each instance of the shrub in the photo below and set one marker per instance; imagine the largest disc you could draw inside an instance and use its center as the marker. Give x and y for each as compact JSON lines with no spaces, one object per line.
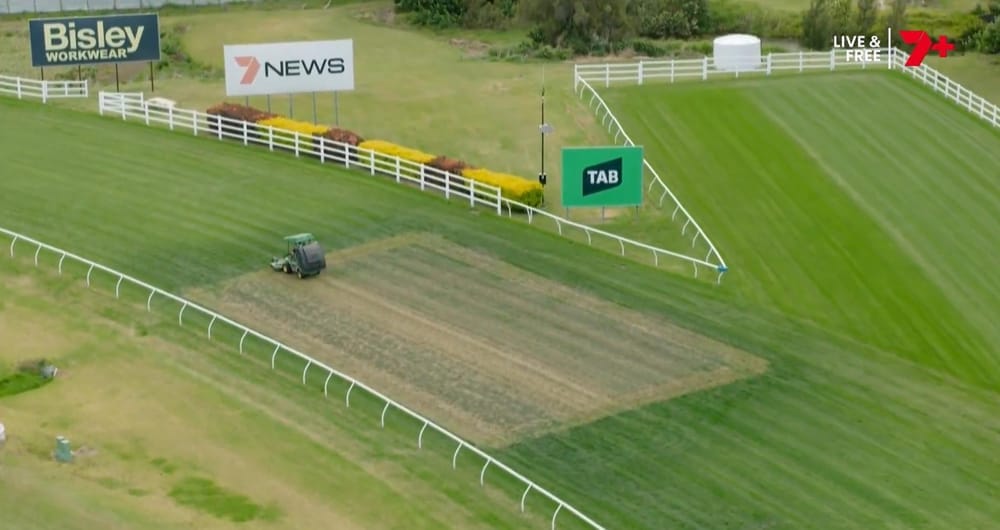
{"x":287,"y":124}
{"x":342,"y":135}
{"x":511,"y":186}
{"x":238,"y":113}
{"x":391,"y":149}
{"x":450,"y":165}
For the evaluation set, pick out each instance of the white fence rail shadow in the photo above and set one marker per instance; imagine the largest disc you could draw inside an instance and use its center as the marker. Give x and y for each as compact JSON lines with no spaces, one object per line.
{"x":44,"y":90}
{"x":279,"y":347}
{"x":135,"y":106}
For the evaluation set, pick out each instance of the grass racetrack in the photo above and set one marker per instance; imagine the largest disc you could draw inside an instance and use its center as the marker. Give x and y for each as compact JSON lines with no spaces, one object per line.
{"x":862,"y":202}
{"x":172,"y":431}
{"x":885,"y":419}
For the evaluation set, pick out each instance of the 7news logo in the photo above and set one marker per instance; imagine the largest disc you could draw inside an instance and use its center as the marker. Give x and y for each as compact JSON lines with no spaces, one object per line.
{"x":288,"y":68}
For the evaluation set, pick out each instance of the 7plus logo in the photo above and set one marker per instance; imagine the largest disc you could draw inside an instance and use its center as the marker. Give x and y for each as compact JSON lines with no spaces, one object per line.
{"x":923,"y":44}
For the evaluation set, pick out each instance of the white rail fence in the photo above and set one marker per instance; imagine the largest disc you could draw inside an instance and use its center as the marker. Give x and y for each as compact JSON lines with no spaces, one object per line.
{"x":615,"y":127}
{"x":834,"y":60}
{"x":43,"y":90}
{"x":279,"y":347}
{"x":135,"y":106}
{"x":942,"y":84}
{"x":702,"y":69}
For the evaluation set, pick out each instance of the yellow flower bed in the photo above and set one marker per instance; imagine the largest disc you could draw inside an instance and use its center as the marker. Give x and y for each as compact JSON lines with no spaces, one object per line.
{"x":391,"y":149}
{"x":511,"y":186}
{"x":301,"y":127}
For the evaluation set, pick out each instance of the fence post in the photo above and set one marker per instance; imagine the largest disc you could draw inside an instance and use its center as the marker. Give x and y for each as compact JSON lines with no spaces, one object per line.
{"x":640,"y":71}
{"x":801,"y":58}
{"x":296,"y":143}
{"x":833,"y":58}
{"x":421,"y":177}
{"x":270,"y":138}
{"x":398,"y":169}
{"x":607,"y":75}
{"x":246,"y":135}
{"x":17,"y":78}
{"x":704,"y":69}
{"x":170,"y":117}
{"x":371,"y":159}
{"x":499,"y":203}
{"x":45,"y":93}
{"x":672,"y":62}
{"x":194,"y":122}
{"x":121,"y":102}
{"x":447,"y":185}
{"x":768,"y":64}
{"x":145,"y":111}
{"x":891,"y":58}
{"x":472,"y":192}
{"x":322,"y":149}
{"x":219,"y":119}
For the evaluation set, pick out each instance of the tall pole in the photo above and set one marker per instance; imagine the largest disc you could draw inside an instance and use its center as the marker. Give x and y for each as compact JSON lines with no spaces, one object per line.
{"x":542,"y":177}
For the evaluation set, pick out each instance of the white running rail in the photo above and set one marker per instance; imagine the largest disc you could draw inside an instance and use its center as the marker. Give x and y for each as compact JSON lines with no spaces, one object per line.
{"x":943,"y":85}
{"x":280,"y":347}
{"x":702,"y":69}
{"x":44,"y":90}
{"x":614,"y":126}
{"x":584,"y":75}
{"x":133,"y":105}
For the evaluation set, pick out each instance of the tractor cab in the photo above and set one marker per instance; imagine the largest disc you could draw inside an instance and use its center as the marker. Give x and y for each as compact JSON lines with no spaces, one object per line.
{"x":305,"y":257}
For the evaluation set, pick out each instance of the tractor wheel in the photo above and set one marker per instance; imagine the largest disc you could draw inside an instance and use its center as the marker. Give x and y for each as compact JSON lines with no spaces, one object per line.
{"x":300,"y":275}
{"x":286,"y":269}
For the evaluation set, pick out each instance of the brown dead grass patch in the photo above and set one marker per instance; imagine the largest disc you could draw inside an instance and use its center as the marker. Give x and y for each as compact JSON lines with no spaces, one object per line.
{"x":491,"y":351}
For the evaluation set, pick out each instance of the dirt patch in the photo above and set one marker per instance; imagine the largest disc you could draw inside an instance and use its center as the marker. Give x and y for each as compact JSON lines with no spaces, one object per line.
{"x":471,"y":48}
{"x":492,"y":351}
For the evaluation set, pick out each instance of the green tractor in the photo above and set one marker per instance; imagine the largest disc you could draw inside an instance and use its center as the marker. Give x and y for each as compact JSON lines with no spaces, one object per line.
{"x":305,"y":257}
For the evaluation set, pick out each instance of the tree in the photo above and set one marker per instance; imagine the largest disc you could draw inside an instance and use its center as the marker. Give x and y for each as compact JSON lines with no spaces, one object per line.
{"x":670,"y":19}
{"x":897,"y":18}
{"x":866,"y":16}
{"x":988,"y":40}
{"x":817,"y":25}
{"x":583,"y":25}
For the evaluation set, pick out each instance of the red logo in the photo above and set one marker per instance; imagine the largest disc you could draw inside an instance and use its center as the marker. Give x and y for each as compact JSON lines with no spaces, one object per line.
{"x":253,"y":66}
{"x":923,"y":44}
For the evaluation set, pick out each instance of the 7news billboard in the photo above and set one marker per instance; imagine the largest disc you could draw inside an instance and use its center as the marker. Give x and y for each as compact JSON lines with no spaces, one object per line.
{"x":289,"y":67}
{"x":94,"y":40}
{"x":601,"y":176}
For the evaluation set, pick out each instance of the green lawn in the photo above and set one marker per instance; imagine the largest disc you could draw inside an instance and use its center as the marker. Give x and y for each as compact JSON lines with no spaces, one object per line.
{"x":173,"y":431}
{"x":841,"y":432}
{"x":831,"y":202}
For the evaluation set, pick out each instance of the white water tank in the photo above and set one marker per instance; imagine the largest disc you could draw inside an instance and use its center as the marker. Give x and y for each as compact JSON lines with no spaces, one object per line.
{"x":736,"y":53}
